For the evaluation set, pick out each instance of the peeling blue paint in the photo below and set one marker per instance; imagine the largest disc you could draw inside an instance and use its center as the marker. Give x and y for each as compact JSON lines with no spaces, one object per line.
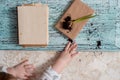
{"x":105,"y":27}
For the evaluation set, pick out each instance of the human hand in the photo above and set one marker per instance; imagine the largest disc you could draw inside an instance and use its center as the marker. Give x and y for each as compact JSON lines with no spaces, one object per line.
{"x":22,"y":70}
{"x":66,"y":56}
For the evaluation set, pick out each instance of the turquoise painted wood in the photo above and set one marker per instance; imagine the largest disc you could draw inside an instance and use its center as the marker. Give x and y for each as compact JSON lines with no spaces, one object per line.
{"x":103,"y":30}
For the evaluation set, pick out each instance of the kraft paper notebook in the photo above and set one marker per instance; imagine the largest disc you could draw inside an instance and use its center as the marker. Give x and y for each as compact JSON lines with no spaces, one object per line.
{"x":77,"y":10}
{"x":33,"y":25}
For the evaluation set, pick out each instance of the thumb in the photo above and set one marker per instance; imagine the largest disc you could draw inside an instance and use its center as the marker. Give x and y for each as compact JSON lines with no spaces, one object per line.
{"x":25,"y":62}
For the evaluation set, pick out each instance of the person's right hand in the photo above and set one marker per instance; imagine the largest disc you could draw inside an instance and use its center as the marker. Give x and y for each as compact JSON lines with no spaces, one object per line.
{"x":66,"y":56}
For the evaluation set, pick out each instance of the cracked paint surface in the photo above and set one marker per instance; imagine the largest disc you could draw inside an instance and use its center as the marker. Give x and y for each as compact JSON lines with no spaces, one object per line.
{"x":104,"y":28}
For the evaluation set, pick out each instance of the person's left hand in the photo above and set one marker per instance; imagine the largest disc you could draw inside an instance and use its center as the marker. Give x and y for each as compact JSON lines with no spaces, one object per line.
{"x":22,"y":70}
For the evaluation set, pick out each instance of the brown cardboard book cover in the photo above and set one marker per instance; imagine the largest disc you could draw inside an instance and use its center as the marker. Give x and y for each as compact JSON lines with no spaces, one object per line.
{"x":77,"y":10}
{"x":33,"y":25}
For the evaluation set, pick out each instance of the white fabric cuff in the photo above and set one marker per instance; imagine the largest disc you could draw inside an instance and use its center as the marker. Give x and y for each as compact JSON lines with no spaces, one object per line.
{"x":4,"y":69}
{"x":53,"y":73}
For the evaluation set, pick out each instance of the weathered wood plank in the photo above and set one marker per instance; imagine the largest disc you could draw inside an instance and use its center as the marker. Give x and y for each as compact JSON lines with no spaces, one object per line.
{"x":104,"y":28}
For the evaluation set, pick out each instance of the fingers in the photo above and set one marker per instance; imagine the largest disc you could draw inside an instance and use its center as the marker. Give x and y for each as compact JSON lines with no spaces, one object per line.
{"x":26,"y":75}
{"x":23,"y":76}
{"x":68,"y":46}
{"x":23,"y":63}
{"x":29,"y":68}
{"x":75,"y":54}
{"x":28,"y":72}
{"x":73,"y":48}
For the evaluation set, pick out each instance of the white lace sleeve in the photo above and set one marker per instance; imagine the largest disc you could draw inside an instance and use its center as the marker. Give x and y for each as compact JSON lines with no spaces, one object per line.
{"x":3,"y":69}
{"x":50,"y":74}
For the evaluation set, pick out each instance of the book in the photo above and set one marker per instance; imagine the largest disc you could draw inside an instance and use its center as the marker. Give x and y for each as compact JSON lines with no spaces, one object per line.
{"x":76,"y":10}
{"x":33,"y":24}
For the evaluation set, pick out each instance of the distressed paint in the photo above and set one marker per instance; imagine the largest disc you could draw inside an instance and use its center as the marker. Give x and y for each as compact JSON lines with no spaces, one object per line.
{"x":105,"y":27}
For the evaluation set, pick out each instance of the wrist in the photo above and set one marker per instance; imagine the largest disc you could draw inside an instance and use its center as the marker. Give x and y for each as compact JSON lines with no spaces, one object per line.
{"x":59,"y":66}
